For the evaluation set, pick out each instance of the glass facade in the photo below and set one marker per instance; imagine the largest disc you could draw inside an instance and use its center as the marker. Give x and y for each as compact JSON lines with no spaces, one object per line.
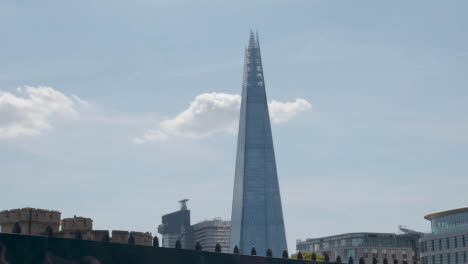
{"x":257,"y":216}
{"x":450,"y":223}
{"x":447,"y":242}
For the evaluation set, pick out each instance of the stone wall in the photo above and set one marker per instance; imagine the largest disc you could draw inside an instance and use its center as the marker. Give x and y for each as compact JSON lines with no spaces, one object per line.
{"x":77,"y":223}
{"x":31,"y":221}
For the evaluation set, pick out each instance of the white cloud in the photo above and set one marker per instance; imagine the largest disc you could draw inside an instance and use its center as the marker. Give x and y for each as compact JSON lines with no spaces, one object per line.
{"x":281,"y":112}
{"x":212,"y":113}
{"x":29,"y":112}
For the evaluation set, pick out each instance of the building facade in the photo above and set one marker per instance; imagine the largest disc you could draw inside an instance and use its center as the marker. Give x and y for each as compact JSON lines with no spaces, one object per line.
{"x":176,"y":226}
{"x":209,"y":233}
{"x":448,"y":241}
{"x":257,"y":216}
{"x":401,"y":248}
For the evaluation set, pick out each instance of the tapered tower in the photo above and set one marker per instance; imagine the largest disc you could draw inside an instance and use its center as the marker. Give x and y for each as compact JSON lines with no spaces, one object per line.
{"x":257,"y":216}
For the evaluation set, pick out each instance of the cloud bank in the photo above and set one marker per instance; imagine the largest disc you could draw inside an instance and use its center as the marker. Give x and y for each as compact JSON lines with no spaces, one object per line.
{"x":30,"y":111}
{"x":212,"y":113}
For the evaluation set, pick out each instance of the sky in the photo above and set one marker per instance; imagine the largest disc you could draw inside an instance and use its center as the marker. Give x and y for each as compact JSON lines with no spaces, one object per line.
{"x":116,"y":110}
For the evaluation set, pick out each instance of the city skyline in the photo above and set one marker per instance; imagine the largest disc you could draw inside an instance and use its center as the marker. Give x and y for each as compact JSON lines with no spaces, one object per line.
{"x":139,"y":105}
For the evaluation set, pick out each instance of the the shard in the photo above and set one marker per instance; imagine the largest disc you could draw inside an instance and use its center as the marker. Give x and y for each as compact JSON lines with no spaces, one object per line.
{"x":257,"y":216}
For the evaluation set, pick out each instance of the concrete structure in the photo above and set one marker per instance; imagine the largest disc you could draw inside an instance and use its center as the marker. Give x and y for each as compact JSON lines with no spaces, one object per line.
{"x":30,"y":220}
{"x":45,"y":222}
{"x":211,"y":232}
{"x":367,"y":245}
{"x":257,"y":216}
{"x":176,"y":226}
{"x":448,"y":241}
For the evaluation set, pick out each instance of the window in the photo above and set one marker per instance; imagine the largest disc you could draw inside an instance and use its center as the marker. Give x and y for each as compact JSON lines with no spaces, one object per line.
{"x":443,"y":244}
{"x":366,"y":254}
{"x":393,"y":254}
{"x":375,"y":254}
{"x":459,"y":242}
{"x":453,"y":258}
{"x":403,"y":252}
{"x":436,"y":245}
{"x":343,"y":242}
{"x":384,"y":253}
{"x":326,"y":245}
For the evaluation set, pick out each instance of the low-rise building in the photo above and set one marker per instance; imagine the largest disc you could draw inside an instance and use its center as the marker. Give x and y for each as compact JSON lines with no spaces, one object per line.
{"x":395,"y":248}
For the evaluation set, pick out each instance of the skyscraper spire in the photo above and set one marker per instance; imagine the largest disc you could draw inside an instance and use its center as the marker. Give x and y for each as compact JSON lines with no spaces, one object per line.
{"x":257,"y":216}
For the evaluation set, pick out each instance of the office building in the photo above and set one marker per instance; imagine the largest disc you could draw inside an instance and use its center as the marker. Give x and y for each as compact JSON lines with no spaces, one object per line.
{"x":176,"y":226}
{"x":395,"y":248}
{"x":211,"y":232}
{"x":448,"y":241}
{"x":257,"y":216}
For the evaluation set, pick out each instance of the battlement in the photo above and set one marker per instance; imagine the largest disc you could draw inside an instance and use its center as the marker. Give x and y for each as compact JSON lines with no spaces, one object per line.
{"x":28,"y":213}
{"x":34,"y":221}
{"x":77,"y":223}
{"x":30,"y":220}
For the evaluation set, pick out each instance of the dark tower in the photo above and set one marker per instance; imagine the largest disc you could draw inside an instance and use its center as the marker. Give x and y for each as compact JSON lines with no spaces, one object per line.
{"x":257,"y":216}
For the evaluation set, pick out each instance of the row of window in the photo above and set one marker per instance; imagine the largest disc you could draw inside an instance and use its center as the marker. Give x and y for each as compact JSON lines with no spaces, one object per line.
{"x":451,"y":258}
{"x":444,"y":243}
{"x":370,"y":242}
{"x":450,"y":223}
{"x":375,"y":254}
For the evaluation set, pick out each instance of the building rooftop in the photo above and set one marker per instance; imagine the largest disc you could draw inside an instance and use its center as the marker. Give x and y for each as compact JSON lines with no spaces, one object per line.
{"x":445,"y":213}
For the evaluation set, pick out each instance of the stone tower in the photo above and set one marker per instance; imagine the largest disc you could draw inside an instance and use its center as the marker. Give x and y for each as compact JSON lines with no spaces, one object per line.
{"x":257,"y":216}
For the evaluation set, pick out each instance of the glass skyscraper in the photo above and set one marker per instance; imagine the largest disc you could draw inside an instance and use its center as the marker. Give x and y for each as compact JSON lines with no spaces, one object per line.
{"x":257,"y":216}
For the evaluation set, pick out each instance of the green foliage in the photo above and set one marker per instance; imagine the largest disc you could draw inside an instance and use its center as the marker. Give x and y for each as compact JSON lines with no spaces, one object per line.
{"x":307,"y":255}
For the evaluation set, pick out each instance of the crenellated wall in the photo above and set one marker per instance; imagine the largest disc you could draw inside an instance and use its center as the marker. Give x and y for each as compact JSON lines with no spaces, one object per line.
{"x":31,"y":221}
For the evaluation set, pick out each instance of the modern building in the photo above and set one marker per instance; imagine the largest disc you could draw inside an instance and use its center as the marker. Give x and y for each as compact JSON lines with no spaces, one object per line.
{"x":257,"y":216}
{"x":448,"y":241}
{"x":211,"y":232}
{"x":176,"y":226}
{"x":401,"y":248}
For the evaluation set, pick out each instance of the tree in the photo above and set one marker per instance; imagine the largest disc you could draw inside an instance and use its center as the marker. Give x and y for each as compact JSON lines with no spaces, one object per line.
{"x":307,"y":255}
{"x":155,"y":241}
{"x":385,"y":261}
{"x":327,"y":258}
{"x":269,"y":253}
{"x":285,"y":254}
{"x":236,"y":250}
{"x":350,"y":260}
{"x":338,"y":259}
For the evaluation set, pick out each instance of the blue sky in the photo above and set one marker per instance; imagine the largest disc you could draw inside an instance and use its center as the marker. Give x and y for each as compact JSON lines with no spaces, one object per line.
{"x":371,"y":102}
